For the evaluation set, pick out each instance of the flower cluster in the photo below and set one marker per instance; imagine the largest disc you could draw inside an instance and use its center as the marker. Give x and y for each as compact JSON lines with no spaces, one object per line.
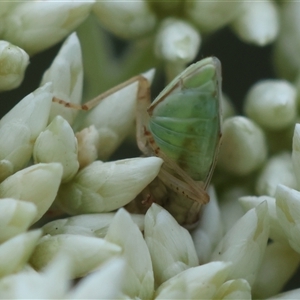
{"x":62,"y":202}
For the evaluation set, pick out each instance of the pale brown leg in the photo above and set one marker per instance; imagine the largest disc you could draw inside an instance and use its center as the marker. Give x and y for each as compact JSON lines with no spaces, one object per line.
{"x":95,"y":101}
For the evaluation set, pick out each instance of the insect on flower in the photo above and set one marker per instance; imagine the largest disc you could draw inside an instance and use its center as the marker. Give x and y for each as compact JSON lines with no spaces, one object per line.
{"x":183,"y":127}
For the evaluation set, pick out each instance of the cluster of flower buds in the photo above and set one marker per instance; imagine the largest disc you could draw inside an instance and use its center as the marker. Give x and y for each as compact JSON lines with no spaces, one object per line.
{"x":62,"y":213}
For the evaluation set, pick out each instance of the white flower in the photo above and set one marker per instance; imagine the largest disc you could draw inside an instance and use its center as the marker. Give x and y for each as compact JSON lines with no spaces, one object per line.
{"x":105,"y":283}
{"x":85,"y":253}
{"x":57,"y":143}
{"x":14,"y":62}
{"x":15,"y":217}
{"x":245,"y":243}
{"x":139,"y":280}
{"x":209,"y":230}
{"x":257,"y":22}
{"x":278,"y":169}
{"x":66,"y":75}
{"x":288,"y":214}
{"x":171,"y":246}
{"x":126,"y":19}
{"x":37,"y":25}
{"x":20,"y":127}
{"x":103,"y":187}
{"x":200,"y":282}
{"x":296,"y":153}
{"x":272,"y":104}
{"x":15,"y":252}
{"x":87,"y":224}
{"x":114,"y":117}
{"x":278,"y":266}
{"x":37,"y":184}
{"x":243,"y":148}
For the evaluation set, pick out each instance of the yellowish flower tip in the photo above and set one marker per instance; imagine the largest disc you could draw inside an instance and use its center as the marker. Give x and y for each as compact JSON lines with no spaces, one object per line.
{"x":66,"y":75}
{"x":278,"y":169}
{"x":257,"y":22}
{"x":177,"y":41}
{"x":14,"y":62}
{"x":272,"y":104}
{"x":88,"y":144}
{"x":15,"y":217}
{"x":104,"y":187}
{"x":127,"y":20}
{"x":25,"y":24}
{"x":37,"y":184}
{"x":243,"y":148}
{"x":57,"y":143}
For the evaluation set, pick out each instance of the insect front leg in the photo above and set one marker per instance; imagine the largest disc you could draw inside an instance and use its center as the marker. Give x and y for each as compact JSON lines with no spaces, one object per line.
{"x":143,"y":84}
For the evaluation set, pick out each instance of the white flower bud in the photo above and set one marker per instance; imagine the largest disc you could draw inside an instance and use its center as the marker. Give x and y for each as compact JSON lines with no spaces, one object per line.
{"x":171,"y":246}
{"x":37,"y":184}
{"x":278,"y":169}
{"x":125,"y":19}
{"x":139,"y":280}
{"x":52,"y":283}
{"x":177,"y":41}
{"x":234,"y":289}
{"x":88,"y":144}
{"x":15,"y":217}
{"x":243,"y":148}
{"x":288,"y":214}
{"x":245,"y":243}
{"x":195,"y":283}
{"x":86,"y":253}
{"x":20,"y":127}
{"x":111,"y":276}
{"x":279,"y":264}
{"x":296,"y":153}
{"x":66,"y":75}
{"x":104,"y":187}
{"x":227,"y":107}
{"x":286,"y":59}
{"x":272,"y":104}
{"x":114,"y":119}
{"x":231,"y":210}
{"x":57,"y":143}
{"x":15,"y":252}
{"x":37,"y":25}
{"x":276,"y":232}
{"x":87,"y":224}
{"x":212,"y":15}
{"x":14,"y":61}
{"x":257,"y":22}
{"x":209,"y":230}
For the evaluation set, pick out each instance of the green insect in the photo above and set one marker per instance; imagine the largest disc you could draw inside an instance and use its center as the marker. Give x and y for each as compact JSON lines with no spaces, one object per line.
{"x":183,"y":127}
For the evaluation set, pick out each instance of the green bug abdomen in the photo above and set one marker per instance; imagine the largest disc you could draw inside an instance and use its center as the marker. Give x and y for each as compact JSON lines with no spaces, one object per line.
{"x":186,"y":127}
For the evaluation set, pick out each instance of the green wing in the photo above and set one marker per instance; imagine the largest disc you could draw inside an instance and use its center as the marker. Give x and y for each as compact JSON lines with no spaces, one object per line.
{"x":185,"y":118}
